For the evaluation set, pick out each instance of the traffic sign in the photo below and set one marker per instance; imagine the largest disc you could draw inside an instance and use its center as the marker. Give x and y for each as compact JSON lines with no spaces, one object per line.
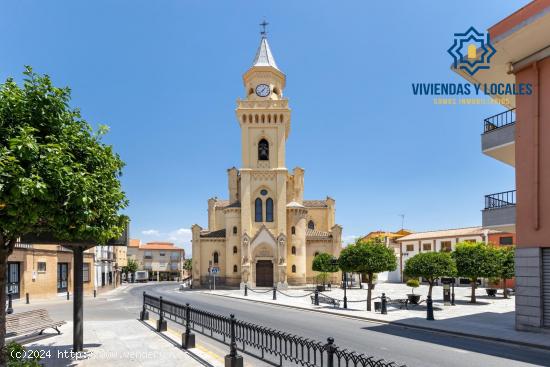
{"x":215,"y":270}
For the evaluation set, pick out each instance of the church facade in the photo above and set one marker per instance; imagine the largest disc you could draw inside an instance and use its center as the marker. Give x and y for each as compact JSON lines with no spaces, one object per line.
{"x":265,"y":233}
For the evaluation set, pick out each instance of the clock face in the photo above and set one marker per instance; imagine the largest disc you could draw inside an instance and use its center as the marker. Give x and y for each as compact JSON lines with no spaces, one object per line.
{"x":263,"y":90}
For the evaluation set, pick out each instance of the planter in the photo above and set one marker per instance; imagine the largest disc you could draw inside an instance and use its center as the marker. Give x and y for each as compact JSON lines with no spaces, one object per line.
{"x":413,"y":298}
{"x":320,"y":288}
{"x":491,"y":292}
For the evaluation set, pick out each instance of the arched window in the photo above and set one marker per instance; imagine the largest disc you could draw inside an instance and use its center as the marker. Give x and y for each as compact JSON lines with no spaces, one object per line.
{"x":244,"y":118}
{"x":235,"y":230}
{"x":235,"y":269}
{"x":263,"y":150}
{"x":293,"y":250}
{"x":293,"y":230}
{"x":311,"y":225}
{"x":269,"y":210}
{"x":258,"y":210}
{"x":294,"y":268}
{"x":216,"y":257}
{"x":234,"y":249}
{"x":250,"y":91}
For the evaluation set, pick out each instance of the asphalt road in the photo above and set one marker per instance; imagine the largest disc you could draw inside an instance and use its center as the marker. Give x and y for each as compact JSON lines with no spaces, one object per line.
{"x":412,"y":347}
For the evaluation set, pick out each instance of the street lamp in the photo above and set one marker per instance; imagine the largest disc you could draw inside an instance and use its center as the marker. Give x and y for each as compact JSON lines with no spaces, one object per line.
{"x":334,"y":262}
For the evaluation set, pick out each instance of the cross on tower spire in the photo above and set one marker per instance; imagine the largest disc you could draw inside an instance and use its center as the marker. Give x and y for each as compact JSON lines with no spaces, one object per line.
{"x":264,"y":25}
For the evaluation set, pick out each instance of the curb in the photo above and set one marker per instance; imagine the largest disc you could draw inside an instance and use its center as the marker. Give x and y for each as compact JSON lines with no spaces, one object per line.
{"x":397,"y":323}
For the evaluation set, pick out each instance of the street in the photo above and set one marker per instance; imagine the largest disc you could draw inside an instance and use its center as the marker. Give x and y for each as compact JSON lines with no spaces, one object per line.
{"x":408,"y":346}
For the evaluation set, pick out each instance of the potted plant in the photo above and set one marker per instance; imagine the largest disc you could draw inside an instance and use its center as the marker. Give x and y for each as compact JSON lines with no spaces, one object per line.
{"x":491,"y":290}
{"x":413,"y":298}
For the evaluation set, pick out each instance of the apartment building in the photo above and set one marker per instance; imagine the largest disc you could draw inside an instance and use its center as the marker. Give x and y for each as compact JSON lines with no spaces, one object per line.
{"x":390,"y":240}
{"x":104,"y":267}
{"x":45,"y":271}
{"x":520,"y":138}
{"x":163,"y":260}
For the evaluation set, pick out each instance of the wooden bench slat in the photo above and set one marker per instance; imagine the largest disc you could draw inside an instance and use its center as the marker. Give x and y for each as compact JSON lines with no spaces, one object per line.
{"x":28,"y":322}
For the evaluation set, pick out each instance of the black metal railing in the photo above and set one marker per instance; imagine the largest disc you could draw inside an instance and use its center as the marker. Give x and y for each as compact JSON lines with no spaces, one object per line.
{"x":272,"y":346}
{"x":499,"y":120}
{"x":500,"y":200}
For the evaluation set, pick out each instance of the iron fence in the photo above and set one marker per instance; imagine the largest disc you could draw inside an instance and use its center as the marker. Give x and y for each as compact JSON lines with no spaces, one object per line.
{"x":500,"y":200}
{"x":272,"y":346}
{"x":499,"y":120}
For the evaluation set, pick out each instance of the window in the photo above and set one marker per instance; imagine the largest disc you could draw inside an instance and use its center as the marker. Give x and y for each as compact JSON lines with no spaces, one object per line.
{"x":293,"y":250}
{"x":263,"y":150}
{"x":258,"y":210}
{"x":162,"y":253}
{"x":86,"y":272}
{"x":234,"y":249}
{"x":235,"y":230}
{"x":269,"y":210}
{"x":41,"y":267}
{"x":506,"y":241}
{"x":293,"y":230}
{"x":410,"y":248}
{"x":294,"y":268}
{"x":216,"y":257}
{"x":426,"y":247}
{"x":311,"y":224}
{"x":235,"y":269}
{"x":446,"y":246}
{"x":263,"y":192}
{"x":148,"y":255}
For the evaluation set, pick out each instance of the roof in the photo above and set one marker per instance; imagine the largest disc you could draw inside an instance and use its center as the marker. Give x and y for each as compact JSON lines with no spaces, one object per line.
{"x":317,"y":234}
{"x":294,"y":204}
{"x":315,"y":204}
{"x":236,"y":204}
{"x":214,"y":234}
{"x":264,"y":57}
{"x":159,"y":246}
{"x":134,"y":242}
{"x":400,"y":233}
{"x":520,"y":18}
{"x":221,"y":203}
{"x":457,"y":232}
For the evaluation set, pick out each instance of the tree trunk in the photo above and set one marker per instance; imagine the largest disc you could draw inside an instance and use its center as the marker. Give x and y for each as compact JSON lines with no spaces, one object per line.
{"x":369,"y":290}
{"x":505,"y":288}
{"x":473,"y":282}
{"x":430,"y":289}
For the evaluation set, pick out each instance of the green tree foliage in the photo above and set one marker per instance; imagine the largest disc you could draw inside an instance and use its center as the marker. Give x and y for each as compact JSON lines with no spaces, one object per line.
{"x":18,"y":356}
{"x":56,"y":174}
{"x":430,"y":266}
{"x":323,"y":264}
{"x":188,"y":264}
{"x":413,"y":283}
{"x":506,"y":265}
{"x":474,"y":261}
{"x":132,"y":266}
{"x":368,"y":257}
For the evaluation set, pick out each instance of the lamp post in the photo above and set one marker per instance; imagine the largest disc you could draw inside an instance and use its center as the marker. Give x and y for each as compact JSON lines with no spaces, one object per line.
{"x":334,"y":262}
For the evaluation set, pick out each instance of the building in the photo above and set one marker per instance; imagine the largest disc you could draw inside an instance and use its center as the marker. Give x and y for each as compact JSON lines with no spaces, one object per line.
{"x":442,"y":240}
{"x":120,"y":261}
{"x":45,"y":271}
{"x":163,"y":260}
{"x":265,"y":233}
{"x":390,"y":240}
{"x":520,"y":137}
{"x":104,"y":267}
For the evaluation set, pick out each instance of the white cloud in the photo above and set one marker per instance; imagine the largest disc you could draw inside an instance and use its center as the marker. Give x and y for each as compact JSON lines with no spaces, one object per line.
{"x":181,"y":237}
{"x":150,"y":232}
{"x":348,"y":239}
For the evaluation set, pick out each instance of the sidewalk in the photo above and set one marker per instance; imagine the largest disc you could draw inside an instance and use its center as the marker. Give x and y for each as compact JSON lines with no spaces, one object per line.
{"x":491,"y":318}
{"x":112,"y":343}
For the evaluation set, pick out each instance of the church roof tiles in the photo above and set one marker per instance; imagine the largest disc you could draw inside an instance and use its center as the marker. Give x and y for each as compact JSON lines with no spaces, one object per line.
{"x":315,"y":204}
{"x":313,"y":233}
{"x":220,"y":233}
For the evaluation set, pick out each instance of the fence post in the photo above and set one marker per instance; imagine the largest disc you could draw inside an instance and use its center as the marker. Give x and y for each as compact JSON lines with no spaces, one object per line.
{"x":246,"y":290}
{"x":10,"y":307}
{"x":95,"y":293}
{"x":316,"y":297}
{"x":233,"y":359}
{"x":161,"y":322}
{"x":274,"y":293}
{"x":188,"y":338}
{"x":384,"y":309}
{"x":330,"y":351}
{"x":430,"y":309}
{"x":144,"y":314}
{"x":68,"y":295}
{"x":27,"y":297}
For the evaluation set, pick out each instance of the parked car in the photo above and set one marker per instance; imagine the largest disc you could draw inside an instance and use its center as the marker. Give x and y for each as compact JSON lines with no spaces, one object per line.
{"x":142,"y":276}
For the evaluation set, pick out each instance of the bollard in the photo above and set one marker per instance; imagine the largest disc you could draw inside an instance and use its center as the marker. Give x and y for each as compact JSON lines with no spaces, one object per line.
{"x":316,"y":297}
{"x":144,"y":314}
{"x":95,"y":293}
{"x":162,"y":325}
{"x":68,"y":295}
{"x":27,"y":297}
{"x":384,"y":309}
{"x":10,"y":307}
{"x":187,"y":338}
{"x":331,"y":349}
{"x":233,"y":359}
{"x":246,"y":290}
{"x":453,"y":294}
{"x":430,"y":309}
{"x":274,"y":293}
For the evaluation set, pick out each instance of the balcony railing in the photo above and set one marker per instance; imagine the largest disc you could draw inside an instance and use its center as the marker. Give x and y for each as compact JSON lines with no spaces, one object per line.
{"x":500,"y":200}
{"x":499,"y":120}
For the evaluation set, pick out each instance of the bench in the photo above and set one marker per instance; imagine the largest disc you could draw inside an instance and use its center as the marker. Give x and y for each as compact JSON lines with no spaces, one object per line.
{"x":326,"y":300}
{"x":400,"y":302}
{"x":30,"y":322}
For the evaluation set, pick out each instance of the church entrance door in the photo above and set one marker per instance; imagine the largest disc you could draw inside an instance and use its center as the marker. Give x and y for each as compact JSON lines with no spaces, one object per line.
{"x":264,"y":273}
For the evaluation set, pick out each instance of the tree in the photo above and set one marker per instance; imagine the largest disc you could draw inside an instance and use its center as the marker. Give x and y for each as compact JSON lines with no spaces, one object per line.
{"x":430,"y":266}
{"x":506,"y":265}
{"x":323,"y":264}
{"x":56,"y":175}
{"x":188,"y":265}
{"x":131,"y":267}
{"x":368,"y":257}
{"x":474,"y":261}
{"x":413,"y":283}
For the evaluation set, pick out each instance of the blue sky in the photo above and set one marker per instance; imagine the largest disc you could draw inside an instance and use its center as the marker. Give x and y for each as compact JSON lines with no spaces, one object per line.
{"x":164,"y":75}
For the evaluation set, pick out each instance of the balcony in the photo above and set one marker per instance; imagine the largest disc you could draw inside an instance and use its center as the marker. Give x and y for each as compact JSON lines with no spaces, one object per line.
{"x":500,"y":211}
{"x":499,"y":135}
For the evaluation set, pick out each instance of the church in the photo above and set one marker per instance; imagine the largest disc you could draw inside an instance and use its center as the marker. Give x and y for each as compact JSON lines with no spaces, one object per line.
{"x":265,"y":234}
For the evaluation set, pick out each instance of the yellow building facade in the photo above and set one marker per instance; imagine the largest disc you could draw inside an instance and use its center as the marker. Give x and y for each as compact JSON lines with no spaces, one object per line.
{"x":265,"y":233}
